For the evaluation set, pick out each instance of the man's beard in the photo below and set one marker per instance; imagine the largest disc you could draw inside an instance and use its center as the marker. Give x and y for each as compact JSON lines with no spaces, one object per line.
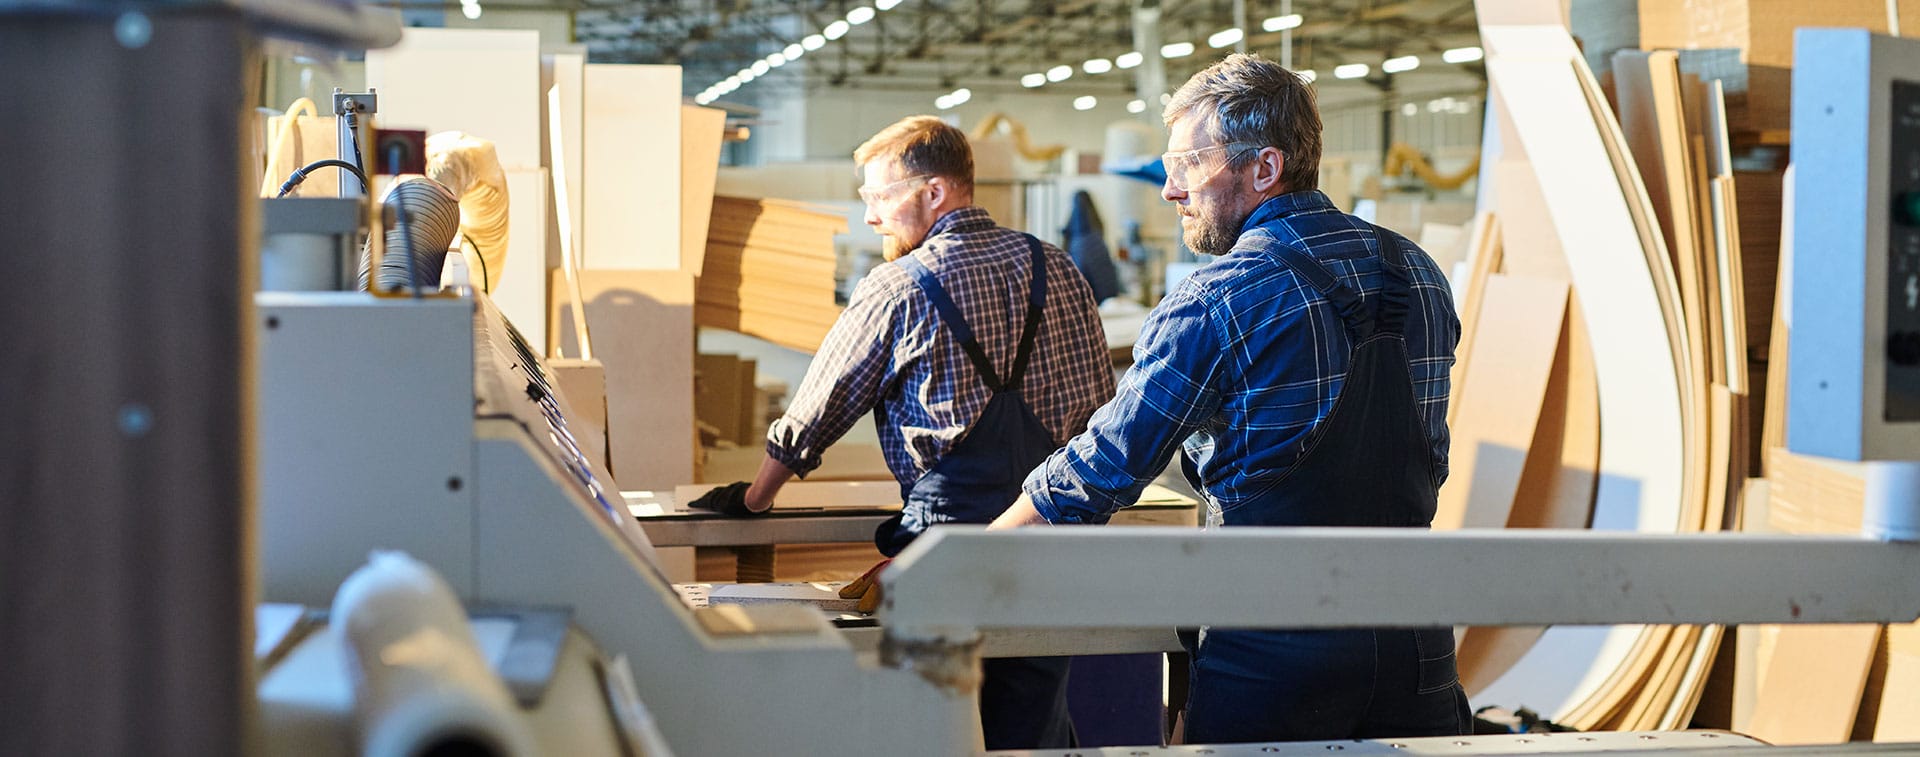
{"x":1215,"y":232}
{"x":893,"y":249}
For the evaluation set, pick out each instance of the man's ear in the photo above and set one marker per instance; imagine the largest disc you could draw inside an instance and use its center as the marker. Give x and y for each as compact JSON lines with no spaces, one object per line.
{"x":1267,"y":167}
{"x":937,"y":191}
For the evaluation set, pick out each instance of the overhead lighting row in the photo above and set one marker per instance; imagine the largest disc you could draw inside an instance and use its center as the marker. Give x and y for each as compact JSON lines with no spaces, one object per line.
{"x":470,"y":9}
{"x":793,"y":52}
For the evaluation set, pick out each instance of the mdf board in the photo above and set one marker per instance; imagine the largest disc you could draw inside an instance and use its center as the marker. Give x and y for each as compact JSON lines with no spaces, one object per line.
{"x":1556,"y":487}
{"x":1529,"y":243}
{"x":641,"y":324}
{"x":717,"y":394}
{"x":485,"y":82}
{"x":1520,"y":322}
{"x":1814,"y":495}
{"x":1598,"y":214}
{"x":1811,"y":690}
{"x":841,"y":462}
{"x":567,"y":72}
{"x":810,"y":495}
{"x":632,"y":139}
{"x":1899,"y":711}
{"x":1485,"y":261}
{"x":521,"y":291}
{"x":583,"y":388}
{"x":701,"y":132}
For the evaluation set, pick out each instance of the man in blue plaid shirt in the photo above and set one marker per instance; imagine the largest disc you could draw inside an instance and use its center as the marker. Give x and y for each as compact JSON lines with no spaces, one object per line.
{"x":978,"y":350}
{"x":1305,"y":372}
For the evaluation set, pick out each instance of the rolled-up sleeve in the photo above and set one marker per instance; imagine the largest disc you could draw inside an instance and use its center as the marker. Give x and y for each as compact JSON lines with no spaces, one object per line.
{"x":845,"y":379}
{"x":1172,"y":388}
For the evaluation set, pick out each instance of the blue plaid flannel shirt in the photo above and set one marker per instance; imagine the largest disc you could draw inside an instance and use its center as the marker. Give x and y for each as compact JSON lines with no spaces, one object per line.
{"x":887,"y":354}
{"x":1240,"y":363}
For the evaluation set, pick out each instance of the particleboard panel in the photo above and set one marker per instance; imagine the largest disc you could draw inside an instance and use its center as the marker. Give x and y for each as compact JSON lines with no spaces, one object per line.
{"x":1501,"y":399}
{"x":1899,"y":711}
{"x":632,"y":133}
{"x":1811,"y":690}
{"x":814,"y":494}
{"x":567,"y":71}
{"x":642,"y":328}
{"x":485,"y":82}
{"x":583,"y":385}
{"x":1814,"y":495}
{"x":521,"y":291}
{"x":717,"y":394}
{"x":700,"y":138}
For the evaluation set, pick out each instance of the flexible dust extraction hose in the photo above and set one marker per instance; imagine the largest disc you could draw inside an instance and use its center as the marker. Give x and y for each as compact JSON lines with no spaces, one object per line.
{"x":470,"y":168}
{"x":423,"y":219}
{"x":420,"y":684}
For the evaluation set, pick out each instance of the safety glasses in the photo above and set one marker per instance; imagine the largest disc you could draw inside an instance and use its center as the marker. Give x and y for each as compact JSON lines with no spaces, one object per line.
{"x":875,"y":195}
{"x":1186,"y":170}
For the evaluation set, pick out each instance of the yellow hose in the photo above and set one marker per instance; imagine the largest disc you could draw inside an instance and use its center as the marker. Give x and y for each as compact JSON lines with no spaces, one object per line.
{"x":1019,"y":134}
{"x":1402,"y":156}
{"x":270,"y":184}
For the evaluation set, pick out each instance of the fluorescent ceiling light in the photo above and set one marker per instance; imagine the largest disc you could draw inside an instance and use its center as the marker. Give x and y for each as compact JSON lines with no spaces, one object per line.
{"x":471,"y":11}
{"x":1409,"y":110}
{"x":1060,"y":73}
{"x":813,"y":42}
{"x":794,"y":51}
{"x":960,"y":95}
{"x":777,"y":60}
{"x":860,"y":15}
{"x":1463,"y":55}
{"x":885,"y":5}
{"x":760,"y":68}
{"x":1308,"y":76}
{"x":1097,"y":66}
{"x":1033,"y":80}
{"x":1225,"y":37}
{"x":702,"y":99}
{"x":1402,"y":63}
{"x":1137,"y":106}
{"x":1351,"y":71}
{"x":1084,"y":102}
{"x":1176,"y":50}
{"x":1129,"y":60}
{"x":1282,"y":23}
{"x":732,"y":81}
{"x":836,"y":29}
{"x":943,"y":102}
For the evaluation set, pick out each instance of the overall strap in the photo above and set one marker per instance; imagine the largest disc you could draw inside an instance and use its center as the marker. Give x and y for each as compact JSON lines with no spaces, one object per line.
{"x":1036,"y":299}
{"x":1390,"y":315}
{"x":1345,"y":301}
{"x":949,"y":313}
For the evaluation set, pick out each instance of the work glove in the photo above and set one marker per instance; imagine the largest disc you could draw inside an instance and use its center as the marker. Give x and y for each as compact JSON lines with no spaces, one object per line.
{"x":866,"y":587}
{"x":729,"y":500}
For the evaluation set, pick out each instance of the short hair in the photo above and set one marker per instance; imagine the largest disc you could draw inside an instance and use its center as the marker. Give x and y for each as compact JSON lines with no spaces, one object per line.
{"x":1246,"y":98}
{"x":924,"y":145}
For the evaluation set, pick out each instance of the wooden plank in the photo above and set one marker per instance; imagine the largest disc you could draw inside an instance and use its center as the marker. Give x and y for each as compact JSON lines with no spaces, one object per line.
{"x":1899,"y":711}
{"x":1811,"y":690}
{"x":582,"y":385}
{"x":824,"y":596}
{"x":1529,"y":242}
{"x":717,"y":392}
{"x":1557,"y":486}
{"x":841,"y":462}
{"x":1501,"y":400}
{"x":567,"y":72}
{"x":521,"y":291}
{"x":1485,"y":261}
{"x":642,"y":324}
{"x":700,"y":138}
{"x":632,"y":219}
{"x":1814,"y":495}
{"x":428,"y":81}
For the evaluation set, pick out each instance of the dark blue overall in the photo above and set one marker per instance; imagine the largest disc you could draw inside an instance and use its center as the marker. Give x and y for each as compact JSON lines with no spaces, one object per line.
{"x":1023,"y":700}
{"x":1368,"y":464}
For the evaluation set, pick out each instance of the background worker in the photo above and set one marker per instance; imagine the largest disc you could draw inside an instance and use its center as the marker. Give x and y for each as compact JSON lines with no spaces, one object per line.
{"x":979,"y":351}
{"x":1306,"y":373}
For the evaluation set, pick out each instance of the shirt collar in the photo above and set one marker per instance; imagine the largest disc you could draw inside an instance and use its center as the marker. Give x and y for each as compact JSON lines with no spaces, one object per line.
{"x":962,"y":220}
{"x":1289,"y":204}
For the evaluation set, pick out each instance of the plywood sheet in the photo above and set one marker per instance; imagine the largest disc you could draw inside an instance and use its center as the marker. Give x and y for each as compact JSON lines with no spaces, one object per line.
{"x":1814,"y":495}
{"x":1529,"y":242}
{"x":841,"y":462}
{"x":1899,"y":711}
{"x":1557,"y":486}
{"x":700,"y":138}
{"x":567,"y":72}
{"x":631,"y":217}
{"x":1501,"y":399}
{"x":582,"y":385}
{"x":1811,"y":690}
{"x":717,"y":393}
{"x":825,"y":596}
{"x":642,"y":325}
{"x":485,"y":82}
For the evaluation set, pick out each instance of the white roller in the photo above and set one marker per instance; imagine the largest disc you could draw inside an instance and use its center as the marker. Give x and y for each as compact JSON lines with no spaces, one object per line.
{"x":419,"y":680}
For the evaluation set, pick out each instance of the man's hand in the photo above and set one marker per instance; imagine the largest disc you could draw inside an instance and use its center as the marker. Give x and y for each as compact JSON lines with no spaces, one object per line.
{"x":729,"y":500}
{"x":867,"y":588}
{"x":1020,"y":513}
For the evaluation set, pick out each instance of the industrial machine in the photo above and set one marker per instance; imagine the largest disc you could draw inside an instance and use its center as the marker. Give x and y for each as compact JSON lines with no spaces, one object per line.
{"x":429,"y":425}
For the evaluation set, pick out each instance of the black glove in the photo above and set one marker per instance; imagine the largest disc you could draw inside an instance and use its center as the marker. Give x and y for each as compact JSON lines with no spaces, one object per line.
{"x":729,"y":500}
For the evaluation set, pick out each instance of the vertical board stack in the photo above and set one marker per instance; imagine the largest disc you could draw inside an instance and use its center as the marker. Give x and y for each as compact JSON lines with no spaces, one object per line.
{"x":769,"y":271}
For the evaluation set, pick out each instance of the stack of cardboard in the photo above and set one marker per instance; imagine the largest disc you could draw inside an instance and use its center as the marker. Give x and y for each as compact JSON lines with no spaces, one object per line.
{"x":769,"y":271}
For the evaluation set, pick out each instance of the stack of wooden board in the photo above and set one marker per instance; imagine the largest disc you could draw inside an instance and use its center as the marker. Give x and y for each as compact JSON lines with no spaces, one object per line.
{"x":769,"y":271}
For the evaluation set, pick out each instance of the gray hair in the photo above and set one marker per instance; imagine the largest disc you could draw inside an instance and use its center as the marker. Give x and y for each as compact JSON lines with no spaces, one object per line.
{"x":1246,"y":98}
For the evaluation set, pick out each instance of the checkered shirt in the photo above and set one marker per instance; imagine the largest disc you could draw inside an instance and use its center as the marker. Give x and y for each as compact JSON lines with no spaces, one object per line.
{"x":889,"y":355}
{"x":1242,"y":362}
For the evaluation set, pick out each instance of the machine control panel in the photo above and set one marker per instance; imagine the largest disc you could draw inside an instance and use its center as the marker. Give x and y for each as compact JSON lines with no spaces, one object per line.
{"x":1854,"y":352}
